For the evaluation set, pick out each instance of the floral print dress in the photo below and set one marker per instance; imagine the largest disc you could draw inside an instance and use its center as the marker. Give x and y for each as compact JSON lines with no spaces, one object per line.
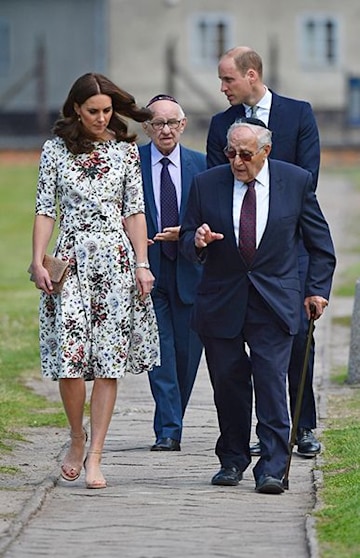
{"x":97,"y":327}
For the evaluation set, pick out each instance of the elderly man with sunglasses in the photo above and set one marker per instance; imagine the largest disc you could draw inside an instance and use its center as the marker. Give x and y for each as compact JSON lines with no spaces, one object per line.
{"x":167,"y":170}
{"x":242,"y":222}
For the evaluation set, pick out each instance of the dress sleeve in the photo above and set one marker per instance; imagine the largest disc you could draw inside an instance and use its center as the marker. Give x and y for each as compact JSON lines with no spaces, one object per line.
{"x":133,"y":201}
{"x":47,"y":181}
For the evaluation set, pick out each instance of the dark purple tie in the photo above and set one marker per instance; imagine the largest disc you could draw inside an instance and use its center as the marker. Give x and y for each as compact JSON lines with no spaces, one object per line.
{"x":169,"y":208}
{"x":247,"y":228}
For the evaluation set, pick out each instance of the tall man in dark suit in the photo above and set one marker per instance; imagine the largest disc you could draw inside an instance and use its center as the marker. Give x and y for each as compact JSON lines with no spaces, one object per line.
{"x":250,"y":292}
{"x":295,"y":140}
{"x":167,"y":164}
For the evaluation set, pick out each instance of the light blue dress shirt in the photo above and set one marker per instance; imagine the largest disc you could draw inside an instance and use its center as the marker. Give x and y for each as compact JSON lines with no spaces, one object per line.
{"x":175,"y":173}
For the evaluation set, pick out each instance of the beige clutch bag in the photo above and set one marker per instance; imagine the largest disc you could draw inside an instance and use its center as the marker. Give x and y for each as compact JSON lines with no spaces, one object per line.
{"x":58,"y":270}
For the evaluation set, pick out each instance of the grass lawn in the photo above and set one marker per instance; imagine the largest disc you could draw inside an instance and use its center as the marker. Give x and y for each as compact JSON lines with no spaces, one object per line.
{"x":19,"y":357}
{"x":338,"y":520}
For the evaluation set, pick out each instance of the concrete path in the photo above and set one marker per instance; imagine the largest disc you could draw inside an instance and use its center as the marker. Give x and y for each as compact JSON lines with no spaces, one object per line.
{"x":162,"y":505}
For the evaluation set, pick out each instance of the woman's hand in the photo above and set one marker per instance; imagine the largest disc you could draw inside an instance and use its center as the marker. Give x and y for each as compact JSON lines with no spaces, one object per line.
{"x":42,"y":278}
{"x":144,"y":281}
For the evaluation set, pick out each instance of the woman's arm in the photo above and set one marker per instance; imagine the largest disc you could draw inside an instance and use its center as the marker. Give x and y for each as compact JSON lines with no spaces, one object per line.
{"x":42,"y":231}
{"x":137,"y":232}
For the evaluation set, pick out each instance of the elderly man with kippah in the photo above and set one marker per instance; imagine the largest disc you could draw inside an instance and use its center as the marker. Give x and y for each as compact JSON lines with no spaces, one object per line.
{"x":168,"y":169}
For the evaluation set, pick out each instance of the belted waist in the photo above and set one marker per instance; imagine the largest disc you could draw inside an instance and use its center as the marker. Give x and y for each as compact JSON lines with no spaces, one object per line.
{"x":102,"y":224}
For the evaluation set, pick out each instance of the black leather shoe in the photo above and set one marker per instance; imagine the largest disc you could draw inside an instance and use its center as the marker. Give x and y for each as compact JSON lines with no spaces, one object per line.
{"x":227,"y":476}
{"x":307,"y":444}
{"x":166,"y":444}
{"x":255,"y":449}
{"x":269,"y":485}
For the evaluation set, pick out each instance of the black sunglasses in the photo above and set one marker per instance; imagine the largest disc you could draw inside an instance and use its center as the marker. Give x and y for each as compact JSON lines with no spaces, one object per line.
{"x":246,"y":156}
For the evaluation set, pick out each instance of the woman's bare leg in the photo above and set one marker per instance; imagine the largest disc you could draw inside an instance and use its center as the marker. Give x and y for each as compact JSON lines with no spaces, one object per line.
{"x":73,"y":395}
{"x":102,"y":404}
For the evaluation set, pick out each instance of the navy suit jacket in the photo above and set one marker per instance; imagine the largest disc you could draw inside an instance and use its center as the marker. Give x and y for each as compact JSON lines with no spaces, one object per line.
{"x":220,"y":306}
{"x":295,"y":136}
{"x":187,"y":273}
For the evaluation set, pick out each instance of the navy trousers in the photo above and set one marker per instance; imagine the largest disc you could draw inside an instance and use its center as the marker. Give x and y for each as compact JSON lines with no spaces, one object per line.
{"x":171,"y":383}
{"x":230,"y":373}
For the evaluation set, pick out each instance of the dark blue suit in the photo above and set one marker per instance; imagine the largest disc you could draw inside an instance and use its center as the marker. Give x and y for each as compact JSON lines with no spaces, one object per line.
{"x":260,"y":305}
{"x":295,"y":135}
{"x":173,"y":296}
{"x":295,"y":140}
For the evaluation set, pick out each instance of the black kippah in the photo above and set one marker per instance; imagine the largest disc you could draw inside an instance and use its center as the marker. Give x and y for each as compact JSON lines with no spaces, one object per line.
{"x":252,"y":120}
{"x":161,"y":97}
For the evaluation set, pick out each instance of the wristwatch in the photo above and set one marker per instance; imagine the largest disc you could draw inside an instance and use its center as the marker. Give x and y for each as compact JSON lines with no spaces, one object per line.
{"x":143,"y":264}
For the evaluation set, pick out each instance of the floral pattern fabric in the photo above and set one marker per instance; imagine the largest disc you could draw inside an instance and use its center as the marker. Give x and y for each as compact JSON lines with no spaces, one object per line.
{"x":97,"y":327}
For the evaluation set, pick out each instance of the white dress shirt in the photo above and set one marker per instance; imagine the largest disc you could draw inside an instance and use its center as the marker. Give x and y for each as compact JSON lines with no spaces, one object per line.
{"x":263,"y":107}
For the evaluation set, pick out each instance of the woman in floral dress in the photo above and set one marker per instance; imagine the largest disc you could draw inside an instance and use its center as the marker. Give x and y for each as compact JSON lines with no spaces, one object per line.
{"x":102,"y":324}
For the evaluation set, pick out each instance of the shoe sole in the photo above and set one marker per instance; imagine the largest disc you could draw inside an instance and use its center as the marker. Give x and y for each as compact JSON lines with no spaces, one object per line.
{"x":164,"y":449}
{"x":68,"y":478}
{"x":270,"y":489}
{"x":308,"y":454}
{"x":225,"y":483}
{"x":96,"y":485}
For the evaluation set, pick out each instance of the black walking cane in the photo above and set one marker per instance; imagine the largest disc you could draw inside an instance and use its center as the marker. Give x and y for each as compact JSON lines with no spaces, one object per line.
{"x":299,"y":396}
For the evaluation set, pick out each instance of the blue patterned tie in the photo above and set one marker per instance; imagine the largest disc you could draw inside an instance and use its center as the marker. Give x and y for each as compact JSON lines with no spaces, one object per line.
{"x":247,"y":228}
{"x":169,"y":208}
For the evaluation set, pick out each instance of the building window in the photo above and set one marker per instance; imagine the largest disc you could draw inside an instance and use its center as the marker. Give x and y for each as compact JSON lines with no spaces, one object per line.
{"x":319,"y":41}
{"x":353,"y":102}
{"x":4,"y":48}
{"x":211,"y":36}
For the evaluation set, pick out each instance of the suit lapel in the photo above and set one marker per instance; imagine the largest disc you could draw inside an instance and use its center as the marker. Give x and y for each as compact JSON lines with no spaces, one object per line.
{"x":148,"y":184}
{"x":186,"y":178}
{"x":275,"y":112}
{"x":225,"y":200}
{"x":276,"y":186}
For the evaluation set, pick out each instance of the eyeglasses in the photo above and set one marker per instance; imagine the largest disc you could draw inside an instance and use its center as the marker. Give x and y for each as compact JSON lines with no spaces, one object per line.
{"x":159,"y":124}
{"x":246,"y":156}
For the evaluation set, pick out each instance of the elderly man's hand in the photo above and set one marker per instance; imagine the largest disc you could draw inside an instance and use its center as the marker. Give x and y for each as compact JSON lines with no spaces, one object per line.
{"x":168,"y":234}
{"x":205,"y":236}
{"x":314,"y":306}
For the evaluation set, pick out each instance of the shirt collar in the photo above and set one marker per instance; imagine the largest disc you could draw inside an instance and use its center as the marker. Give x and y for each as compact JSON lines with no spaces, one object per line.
{"x":265,"y":101}
{"x":261,"y":178}
{"x":174,"y":156}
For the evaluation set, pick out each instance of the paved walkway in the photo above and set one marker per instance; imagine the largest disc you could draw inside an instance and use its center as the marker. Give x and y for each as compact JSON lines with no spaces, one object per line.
{"x":162,"y":505}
